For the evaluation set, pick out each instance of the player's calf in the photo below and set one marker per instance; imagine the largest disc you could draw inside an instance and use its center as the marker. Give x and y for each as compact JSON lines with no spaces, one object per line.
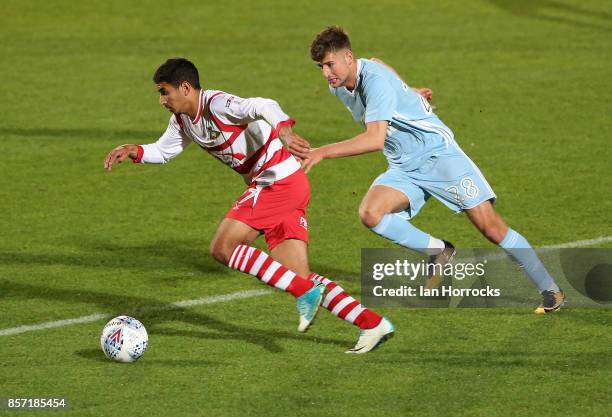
{"x":259,"y":264}
{"x":343,"y":306}
{"x":519,"y":249}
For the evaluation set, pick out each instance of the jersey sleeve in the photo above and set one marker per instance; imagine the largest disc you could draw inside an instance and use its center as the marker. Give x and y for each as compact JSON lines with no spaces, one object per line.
{"x":239,"y":111}
{"x":169,"y":145}
{"x":380,"y":99}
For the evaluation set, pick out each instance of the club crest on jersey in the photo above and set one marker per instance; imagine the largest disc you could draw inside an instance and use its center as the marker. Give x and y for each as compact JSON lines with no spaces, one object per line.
{"x":213,"y":134}
{"x":251,"y":193}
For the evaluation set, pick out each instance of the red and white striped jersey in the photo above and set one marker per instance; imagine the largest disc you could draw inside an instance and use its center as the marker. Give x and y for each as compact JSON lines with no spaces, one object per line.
{"x":240,"y":132}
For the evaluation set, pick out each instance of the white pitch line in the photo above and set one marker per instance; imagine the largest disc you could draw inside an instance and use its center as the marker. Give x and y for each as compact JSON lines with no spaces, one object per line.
{"x":221,"y":298}
{"x":52,"y":324}
{"x":233,"y":296}
{"x":99,"y":316}
{"x":580,"y":243}
{"x":546,"y":249}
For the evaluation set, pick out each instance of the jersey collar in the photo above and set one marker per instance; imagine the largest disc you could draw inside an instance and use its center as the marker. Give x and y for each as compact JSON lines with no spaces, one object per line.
{"x":357,"y":78}
{"x":200,"y":108}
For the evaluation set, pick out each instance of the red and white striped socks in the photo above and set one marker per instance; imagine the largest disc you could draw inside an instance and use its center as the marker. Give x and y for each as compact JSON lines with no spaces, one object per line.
{"x":261,"y":265}
{"x":344,"y":306}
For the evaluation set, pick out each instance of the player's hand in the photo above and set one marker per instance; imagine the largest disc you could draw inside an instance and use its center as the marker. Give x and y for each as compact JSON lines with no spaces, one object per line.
{"x":297,"y":145}
{"x":314,"y":157}
{"x":117,"y":155}
{"x":425,"y":92}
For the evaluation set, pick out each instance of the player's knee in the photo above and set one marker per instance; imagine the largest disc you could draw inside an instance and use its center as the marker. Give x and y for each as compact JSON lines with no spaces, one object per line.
{"x":221,"y":251}
{"x":370,"y":216}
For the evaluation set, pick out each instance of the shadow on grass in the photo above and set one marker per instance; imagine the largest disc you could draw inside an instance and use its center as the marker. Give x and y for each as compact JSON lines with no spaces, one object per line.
{"x":96,"y":355}
{"x":505,"y":359}
{"x":83,"y":133}
{"x":154,"y":313}
{"x":558,"y":12}
{"x":148,"y":257}
{"x":163,"y":254}
{"x":194,"y":254}
{"x":337,"y":274}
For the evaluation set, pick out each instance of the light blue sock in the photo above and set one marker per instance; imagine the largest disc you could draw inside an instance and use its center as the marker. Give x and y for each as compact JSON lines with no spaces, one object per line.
{"x":402,"y":232}
{"x":517,"y":247}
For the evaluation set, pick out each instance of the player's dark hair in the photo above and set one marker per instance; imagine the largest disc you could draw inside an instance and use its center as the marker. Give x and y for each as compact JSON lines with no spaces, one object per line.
{"x":333,"y":38}
{"x":177,"y":70}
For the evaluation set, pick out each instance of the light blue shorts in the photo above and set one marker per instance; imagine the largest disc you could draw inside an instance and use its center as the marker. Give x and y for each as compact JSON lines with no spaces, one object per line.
{"x":451,"y":177}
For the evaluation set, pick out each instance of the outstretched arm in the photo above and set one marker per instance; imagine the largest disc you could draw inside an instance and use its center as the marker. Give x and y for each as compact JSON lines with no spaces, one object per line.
{"x":373,"y":139}
{"x":169,"y":145}
{"x":424,"y":91}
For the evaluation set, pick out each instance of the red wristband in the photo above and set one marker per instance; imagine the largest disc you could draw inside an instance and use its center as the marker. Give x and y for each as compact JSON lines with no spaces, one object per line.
{"x":288,"y":122}
{"x":138,"y":155}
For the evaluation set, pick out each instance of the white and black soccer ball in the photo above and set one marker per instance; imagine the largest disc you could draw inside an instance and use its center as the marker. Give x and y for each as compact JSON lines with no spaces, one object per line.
{"x":124,"y":339}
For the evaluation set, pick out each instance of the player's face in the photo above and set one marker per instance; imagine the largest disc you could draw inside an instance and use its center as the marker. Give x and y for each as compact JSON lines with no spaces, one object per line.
{"x":171,"y":97}
{"x":336,"y":67}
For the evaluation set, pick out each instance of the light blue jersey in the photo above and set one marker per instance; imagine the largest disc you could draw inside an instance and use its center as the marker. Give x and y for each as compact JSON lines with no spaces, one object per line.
{"x":414,"y":134}
{"x":424,"y":159}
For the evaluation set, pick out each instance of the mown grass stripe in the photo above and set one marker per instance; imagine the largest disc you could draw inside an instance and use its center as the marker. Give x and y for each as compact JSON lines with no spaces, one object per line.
{"x":223,"y":298}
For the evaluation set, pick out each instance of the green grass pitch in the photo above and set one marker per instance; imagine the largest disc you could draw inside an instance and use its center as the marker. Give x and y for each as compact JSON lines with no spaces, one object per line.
{"x":525,"y":86}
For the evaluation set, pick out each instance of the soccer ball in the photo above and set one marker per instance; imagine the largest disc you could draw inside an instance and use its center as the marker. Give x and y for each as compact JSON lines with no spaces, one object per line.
{"x":124,"y":339}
